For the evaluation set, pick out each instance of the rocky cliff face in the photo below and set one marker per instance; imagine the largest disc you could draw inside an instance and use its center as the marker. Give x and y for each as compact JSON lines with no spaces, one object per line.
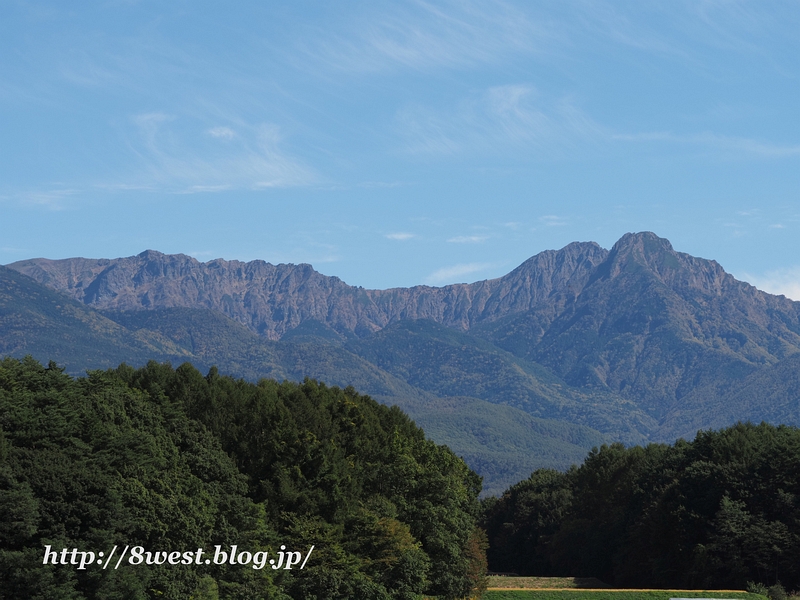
{"x":666,"y":338}
{"x":642,"y":320}
{"x":274,"y":299}
{"x":655,"y":324}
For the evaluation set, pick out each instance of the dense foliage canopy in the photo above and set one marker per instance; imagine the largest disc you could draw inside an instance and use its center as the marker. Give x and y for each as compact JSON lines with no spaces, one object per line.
{"x":171,"y":460}
{"x":717,"y":512}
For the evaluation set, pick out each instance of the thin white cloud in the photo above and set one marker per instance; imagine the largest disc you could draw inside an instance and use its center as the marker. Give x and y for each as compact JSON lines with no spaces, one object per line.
{"x":222,"y":132}
{"x":552,"y":220}
{"x":400,"y":236}
{"x":80,"y":69}
{"x":504,"y":119}
{"x":501,"y":119}
{"x":252,"y":161}
{"x":12,"y":250}
{"x":609,"y":21}
{"x":778,"y":281}
{"x":121,"y":187}
{"x":727,"y":144}
{"x":690,"y":32}
{"x":330,"y":258}
{"x":380,"y":184}
{"x":200,"y":189}
{"x":733,"y":25}
{"x":422,"y":36}
{"x":468,"y":239}
{"x":427,"y":132}
{"x":455,"y":272}
{"x":56,"y":199}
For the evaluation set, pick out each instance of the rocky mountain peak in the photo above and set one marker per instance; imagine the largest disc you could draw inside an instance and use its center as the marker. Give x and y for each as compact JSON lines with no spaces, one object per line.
{"x":272,"y":300}
{"x":646,"y":251}
{"x":646,"y":256}
{"x":639,"y":339}
{"x":154,"y":255}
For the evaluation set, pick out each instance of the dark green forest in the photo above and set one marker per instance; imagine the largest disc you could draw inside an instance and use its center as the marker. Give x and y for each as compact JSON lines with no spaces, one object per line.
{"x":171,"y":460}
{"x":717,"y":512}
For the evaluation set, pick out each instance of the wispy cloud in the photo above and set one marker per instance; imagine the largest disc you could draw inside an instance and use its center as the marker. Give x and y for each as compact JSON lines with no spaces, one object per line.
{"x":79,"y":68}
{"x":778,"y":281}
{"x":625,"y":27}
{"x":254,"y":160}
{"x":726,"y":144}
{"x":52,"y":199}
{"x":380,"y":184}
{"x":199,"y":189}
{"x":12,"y":250}
{"x":508,"y":118}
{"x":453,"y":273}
{"x":421,"y":35}
{"x":500,"y":119}
{"x":329,"y":258}
{"x":552,"y":220}
{"x":222,"y":132}
{"x":400,"y":236}
{"x":685,"y":31}
{"x":734,"y":25}
{"x":468,"y":239}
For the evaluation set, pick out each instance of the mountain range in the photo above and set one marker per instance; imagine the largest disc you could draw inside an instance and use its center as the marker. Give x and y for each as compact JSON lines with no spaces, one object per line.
{"x":573,"y":348}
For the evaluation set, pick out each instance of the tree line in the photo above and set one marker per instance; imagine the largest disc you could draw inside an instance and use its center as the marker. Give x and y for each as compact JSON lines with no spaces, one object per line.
{"x":169,"y":459}
{"x":717,"y":512}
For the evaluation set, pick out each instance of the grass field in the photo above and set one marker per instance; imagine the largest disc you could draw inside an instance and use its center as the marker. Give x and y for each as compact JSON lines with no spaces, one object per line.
{"x":577,"y":588}
{"x":544,"y":583}
{"x":578,"y":594}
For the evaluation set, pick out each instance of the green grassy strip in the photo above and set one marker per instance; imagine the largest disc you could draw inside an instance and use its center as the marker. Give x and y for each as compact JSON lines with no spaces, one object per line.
{"x":609,"y":595}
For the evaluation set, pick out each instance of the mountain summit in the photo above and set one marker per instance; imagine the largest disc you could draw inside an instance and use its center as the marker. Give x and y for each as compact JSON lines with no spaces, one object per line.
{"x":639,"y":342}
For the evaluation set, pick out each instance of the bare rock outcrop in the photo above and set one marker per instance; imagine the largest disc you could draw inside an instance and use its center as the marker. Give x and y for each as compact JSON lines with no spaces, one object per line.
{"x":273,"y":299}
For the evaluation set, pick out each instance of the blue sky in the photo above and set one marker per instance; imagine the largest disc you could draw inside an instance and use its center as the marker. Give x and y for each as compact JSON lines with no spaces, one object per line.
{"x":401,"y":143}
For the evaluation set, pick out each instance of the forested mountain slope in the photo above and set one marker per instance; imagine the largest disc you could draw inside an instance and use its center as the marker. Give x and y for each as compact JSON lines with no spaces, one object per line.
{"x":36,"y":320}
{"x":637,"y":343}
{"x":170,"y":461}
{"x":657,"y":326}
{"x":504,"y":442}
